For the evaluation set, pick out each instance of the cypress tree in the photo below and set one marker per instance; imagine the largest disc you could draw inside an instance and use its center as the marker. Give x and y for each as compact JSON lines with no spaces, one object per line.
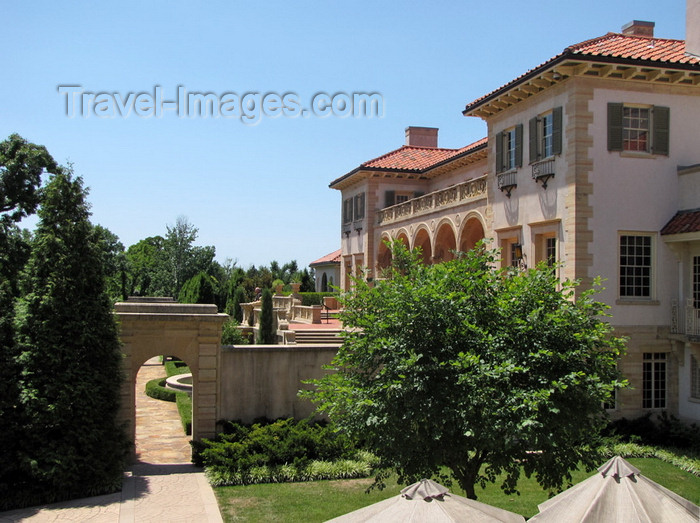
{"x":267,"y":334}
{"x":69,"y":354}
{"x":198,"y":289}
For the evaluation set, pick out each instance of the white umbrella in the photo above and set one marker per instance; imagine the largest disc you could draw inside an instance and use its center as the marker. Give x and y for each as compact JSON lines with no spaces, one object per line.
{"x":429,"y":501}
{"x":617,"y":493}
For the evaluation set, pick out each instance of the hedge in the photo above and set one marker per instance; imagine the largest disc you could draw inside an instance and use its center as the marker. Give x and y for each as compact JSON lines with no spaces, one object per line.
{"x":156,"y":389}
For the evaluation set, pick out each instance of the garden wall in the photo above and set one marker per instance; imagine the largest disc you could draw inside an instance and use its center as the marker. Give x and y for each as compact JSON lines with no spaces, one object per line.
{"x":263,"y":381}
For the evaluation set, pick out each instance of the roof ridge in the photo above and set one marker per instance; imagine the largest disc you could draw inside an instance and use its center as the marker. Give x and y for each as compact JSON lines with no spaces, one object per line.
{"x":404,"y":147}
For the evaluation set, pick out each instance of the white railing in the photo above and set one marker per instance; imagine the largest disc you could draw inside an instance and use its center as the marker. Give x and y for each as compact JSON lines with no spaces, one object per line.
{"x":471,"y":190}
{"x":685,"y":319}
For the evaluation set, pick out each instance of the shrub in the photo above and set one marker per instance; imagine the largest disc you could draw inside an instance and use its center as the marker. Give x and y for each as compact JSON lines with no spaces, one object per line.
{"x":156,"y":389}
{"x":314,"y":298}
{"x":284,"y":450}
{"x":174,"y":367}
{"x":667,"y":430}
{"x":231,"y":334}
{"x":200,"y":288}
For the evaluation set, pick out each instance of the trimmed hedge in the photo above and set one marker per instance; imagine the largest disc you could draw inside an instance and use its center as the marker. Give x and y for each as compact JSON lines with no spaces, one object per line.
{"x":314,"y":298}
{"x":284,"y":450}
{"x":184,"y":408}
{"x":156,"y":390}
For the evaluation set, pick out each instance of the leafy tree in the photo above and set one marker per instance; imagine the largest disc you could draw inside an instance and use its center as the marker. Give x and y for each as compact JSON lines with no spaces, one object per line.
{"x":72,"y":444}
{"x":114,"y":263}
{"x":477,"y":369}
{"x":184,"y":259}
{"x":198,"y":289}
{"x":267,"y":334}
{"x":147,"y":267}
{"x":21,"y":166}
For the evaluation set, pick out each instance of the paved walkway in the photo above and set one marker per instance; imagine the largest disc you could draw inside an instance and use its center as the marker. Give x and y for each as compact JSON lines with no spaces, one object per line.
{"x":163,"y":486}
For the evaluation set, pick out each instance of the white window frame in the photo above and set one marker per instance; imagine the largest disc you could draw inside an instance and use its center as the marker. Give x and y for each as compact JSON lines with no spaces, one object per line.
{"x":509,"y":145}
{"x":628,"y":129}
{"x":632,"y":268}
{"x":654,"y":380}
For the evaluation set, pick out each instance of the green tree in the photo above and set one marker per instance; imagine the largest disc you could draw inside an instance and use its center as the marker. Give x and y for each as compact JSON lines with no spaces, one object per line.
{"x":21,"y":166}
{"x":183,"y":257}
{"x":114,"y":263}
{"x":235,"y":310}
{"x":69,"y":353}
{"x":148,"y":274}
{"x":266,"y":334}
{"x":198,"y":289}
{"x":477,"y":369}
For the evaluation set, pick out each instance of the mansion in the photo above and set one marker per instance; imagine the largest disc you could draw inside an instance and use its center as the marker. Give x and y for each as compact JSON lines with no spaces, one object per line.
{"x":591,"y":162}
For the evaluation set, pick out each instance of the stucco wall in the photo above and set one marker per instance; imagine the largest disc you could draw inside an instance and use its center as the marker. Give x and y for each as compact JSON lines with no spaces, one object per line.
{"x":263,"y":380}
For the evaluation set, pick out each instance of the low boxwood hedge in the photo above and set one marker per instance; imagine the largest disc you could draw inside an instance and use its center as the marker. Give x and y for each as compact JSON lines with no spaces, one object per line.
{"x":156,"y":389}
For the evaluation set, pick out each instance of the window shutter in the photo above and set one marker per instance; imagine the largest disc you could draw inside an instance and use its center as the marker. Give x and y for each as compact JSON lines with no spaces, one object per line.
{"x":389,"y":198}
{"x":661,"y":121}
{"x":614,"y":127}
{"x":347,"y":210}
{"x":556,"y":130}
{"x":534,"y":155}
{"x":499,"y":153}
{"x":519,"y":145}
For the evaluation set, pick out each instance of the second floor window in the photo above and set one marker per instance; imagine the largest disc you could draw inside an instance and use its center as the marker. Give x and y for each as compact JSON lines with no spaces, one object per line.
{"x":509,"y":149}
{"x":638,"y":128}
{"x":545,"y":135}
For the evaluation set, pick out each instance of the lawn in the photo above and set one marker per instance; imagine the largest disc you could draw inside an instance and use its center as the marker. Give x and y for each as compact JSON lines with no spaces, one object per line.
{"x":323,"y":500}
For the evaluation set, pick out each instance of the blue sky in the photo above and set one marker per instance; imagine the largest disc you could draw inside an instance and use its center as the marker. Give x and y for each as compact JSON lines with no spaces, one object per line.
{"x":260,"y":192}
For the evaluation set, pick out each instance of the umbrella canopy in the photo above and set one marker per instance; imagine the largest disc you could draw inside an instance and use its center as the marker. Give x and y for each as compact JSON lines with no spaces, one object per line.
{"x":429,"y":501}
{"x":617,"y":493}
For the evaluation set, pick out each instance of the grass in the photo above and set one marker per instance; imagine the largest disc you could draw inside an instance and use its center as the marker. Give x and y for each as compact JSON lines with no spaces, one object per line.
{"x":322,"y":500}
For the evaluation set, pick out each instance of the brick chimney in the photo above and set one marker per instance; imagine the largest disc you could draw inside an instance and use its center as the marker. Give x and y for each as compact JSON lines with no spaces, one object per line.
{"x":422,"y":136}
{"x":692,"y":27}
{"x":638,"y":28}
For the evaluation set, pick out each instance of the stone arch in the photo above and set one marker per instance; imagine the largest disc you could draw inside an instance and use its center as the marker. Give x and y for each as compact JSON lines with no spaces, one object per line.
{"x":383,"y":253}
{"x":402,"y":235}
{"x":472,"y":232}
{"x":156,"y":326}
{"x":445,"y":242}
{"x":422,"y":240}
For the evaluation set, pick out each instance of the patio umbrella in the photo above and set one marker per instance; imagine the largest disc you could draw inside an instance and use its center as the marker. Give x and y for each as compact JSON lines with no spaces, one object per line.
{"x":617,"y":493}
{"x":429,"y":501}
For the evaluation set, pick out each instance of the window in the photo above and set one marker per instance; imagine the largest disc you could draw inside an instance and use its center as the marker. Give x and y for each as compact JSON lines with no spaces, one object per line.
{"x":347,"y":210}
{"x":638,"y":128}
{"x":635,"y":266}
{"x":396,"y":197}
{"x":546,"y":248}
{"x":694,"y":378}
{"x":359,"y":206}
{"x":696,"y":282}
{"x":545,"y":135}
{"x":654,"y":380}
{"x":509,"y":149}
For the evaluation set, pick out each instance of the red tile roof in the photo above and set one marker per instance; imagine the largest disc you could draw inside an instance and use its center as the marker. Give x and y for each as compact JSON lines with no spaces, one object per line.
{"x":414,"y":158}
{"x":683,"y":222}
{"x":611,"y":47}
{"x":411,"y":158}
{"x":635,"y":48}
{"x":333,"y":257}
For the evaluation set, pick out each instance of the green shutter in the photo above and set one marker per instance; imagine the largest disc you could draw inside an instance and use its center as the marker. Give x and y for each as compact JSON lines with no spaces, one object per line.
{"x":614,"y":127}
{"x":532,"y":128}
{"x":389,"y":198}
{"x":556,"y":130}
{"x":519,"y":145}
{"x":499,"y":153}
{"x":661,"y":121}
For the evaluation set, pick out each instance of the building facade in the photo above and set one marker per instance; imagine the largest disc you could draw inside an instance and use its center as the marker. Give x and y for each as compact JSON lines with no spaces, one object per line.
{"x":590,"y":162}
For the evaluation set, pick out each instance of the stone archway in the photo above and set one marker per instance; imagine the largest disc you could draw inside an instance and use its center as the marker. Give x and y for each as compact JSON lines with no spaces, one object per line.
{"x":445,"y":243}
{"x":156,"y":326}
{"x":422,"y":240}
{"x":472,"y":232}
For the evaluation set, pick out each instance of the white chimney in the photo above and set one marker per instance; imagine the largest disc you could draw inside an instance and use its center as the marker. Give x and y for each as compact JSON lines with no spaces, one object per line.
{"x":638,"y":28}
{"x":692,"y":27}
{"x":422,"y":136}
